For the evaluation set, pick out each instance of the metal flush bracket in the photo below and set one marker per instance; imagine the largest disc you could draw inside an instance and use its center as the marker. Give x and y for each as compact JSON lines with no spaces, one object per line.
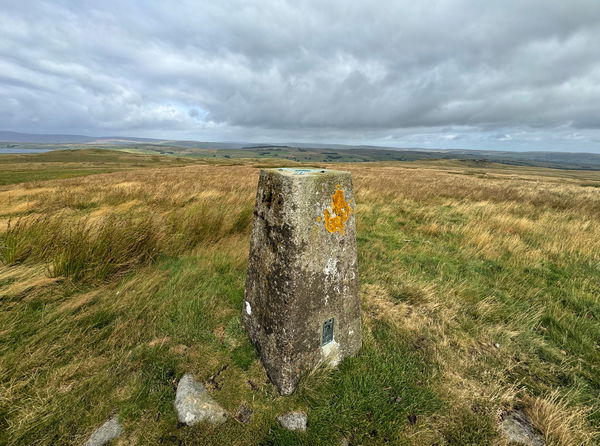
{"x":327,"y":332}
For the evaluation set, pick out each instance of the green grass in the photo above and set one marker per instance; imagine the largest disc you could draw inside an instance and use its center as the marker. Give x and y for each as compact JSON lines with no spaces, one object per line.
{"x":372,"y":397}
{"x":368,"y":399}
{"x":478,"y":295}
{"x":545,"y":317}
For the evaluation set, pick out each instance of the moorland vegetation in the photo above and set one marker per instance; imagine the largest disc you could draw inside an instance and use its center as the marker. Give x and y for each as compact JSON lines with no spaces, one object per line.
{"x":480,"y":290}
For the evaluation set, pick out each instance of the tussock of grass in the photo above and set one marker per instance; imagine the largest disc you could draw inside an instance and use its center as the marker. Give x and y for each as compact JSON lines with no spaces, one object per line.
{"x":82,"y":249}
{"x":25,"y":239}
{"x":98,"y":248}
{"x":103,"y":248}
{"x":209,"y":222}
{"x":560,"y":423}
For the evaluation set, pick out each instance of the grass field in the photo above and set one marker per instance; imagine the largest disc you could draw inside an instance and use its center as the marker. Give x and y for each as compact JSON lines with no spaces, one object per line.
{"x":480,"y":289}
{"x":74,"y":163}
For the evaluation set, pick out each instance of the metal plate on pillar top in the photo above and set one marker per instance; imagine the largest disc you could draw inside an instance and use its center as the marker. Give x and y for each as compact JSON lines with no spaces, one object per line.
{"x":294,"y":171}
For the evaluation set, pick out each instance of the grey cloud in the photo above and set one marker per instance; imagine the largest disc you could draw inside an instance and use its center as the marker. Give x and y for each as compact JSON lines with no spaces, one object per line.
{"x":345,"y":71}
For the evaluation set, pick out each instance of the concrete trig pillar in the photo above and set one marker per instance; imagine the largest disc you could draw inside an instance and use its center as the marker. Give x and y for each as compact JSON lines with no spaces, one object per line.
{"x":301,"y":305}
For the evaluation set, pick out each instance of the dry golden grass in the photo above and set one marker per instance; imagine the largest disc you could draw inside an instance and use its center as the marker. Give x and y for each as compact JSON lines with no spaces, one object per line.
{"x":527,"y":220}
{"x":475,"y":270}
{"x":561,"y":423}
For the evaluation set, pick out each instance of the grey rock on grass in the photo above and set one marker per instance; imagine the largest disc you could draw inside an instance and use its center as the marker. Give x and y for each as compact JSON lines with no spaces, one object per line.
{"x":293,"y":421}
{"x":518,"y":429}
{"x":105,"y":433}
{"x":194,"y":404}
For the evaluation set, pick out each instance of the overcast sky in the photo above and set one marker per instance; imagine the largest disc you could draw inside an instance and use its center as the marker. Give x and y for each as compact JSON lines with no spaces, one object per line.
{"x":496,"y":74}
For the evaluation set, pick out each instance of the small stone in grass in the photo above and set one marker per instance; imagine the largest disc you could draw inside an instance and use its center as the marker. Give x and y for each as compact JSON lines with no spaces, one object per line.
{"x":105,"y":433}
{"x":518,"y":429}
{"x":194,"y":404}
{"x":293,"y":421}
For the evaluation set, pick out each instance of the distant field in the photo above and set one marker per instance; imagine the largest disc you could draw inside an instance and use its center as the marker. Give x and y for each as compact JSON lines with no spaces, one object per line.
{"x":332,"y":153}
{"x":480,"y":287}
{"x":74,"y":163}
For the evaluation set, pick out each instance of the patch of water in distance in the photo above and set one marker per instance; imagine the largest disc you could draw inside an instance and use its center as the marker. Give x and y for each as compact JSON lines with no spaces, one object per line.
{"x":16,"y":151}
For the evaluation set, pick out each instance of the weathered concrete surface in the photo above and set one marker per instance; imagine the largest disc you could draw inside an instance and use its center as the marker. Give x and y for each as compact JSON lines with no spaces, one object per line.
{"x":302,"y":272}
{"x":105,"y":433}
{"x":293,"y":421}
{"x":194,"y":404}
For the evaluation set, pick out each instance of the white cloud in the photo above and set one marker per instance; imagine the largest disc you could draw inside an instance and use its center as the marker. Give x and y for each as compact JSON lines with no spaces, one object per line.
{"x":447,"y":72}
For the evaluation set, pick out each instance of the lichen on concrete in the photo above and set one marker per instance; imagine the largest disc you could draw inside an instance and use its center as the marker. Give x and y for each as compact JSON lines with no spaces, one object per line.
{"x":336,"y":217}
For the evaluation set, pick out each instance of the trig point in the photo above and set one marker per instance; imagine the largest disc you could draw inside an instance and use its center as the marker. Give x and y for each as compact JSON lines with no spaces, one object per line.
{"x":301,"y":306}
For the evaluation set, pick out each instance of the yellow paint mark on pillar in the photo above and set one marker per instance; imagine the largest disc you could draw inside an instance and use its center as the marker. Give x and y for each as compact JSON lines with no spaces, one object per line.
{"x":335,"y":220}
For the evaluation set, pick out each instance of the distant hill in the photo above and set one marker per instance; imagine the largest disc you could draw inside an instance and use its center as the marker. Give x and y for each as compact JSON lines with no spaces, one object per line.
{"x":28,"y":137}
{"x":6,"y":136}
{"x":301,"y":152}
